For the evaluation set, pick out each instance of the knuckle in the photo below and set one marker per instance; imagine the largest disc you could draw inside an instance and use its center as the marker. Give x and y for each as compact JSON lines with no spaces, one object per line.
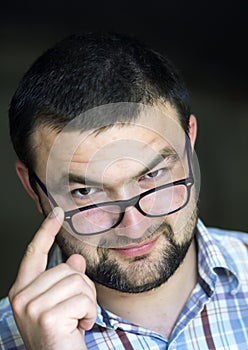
{"x":18,"y":302}
{"x":32,"y":309}
{"x":46,"y":320}
{"x":90,"y":303}
{"x":63,"y":267}
{"x":11,"y":293}
{"x":76,"y":280}
{"x":30,"y":250}
{"x":92,"y":286}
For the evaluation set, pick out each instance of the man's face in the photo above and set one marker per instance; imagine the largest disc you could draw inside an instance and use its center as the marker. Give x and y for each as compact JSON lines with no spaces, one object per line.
{"x":117,"y":164}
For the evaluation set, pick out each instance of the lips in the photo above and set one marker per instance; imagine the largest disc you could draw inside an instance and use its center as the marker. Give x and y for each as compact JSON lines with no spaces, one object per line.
{"x":137,"y":249}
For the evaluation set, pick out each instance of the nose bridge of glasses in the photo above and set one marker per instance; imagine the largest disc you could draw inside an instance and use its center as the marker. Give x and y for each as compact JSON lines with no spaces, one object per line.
{"x":128,"y":203}
{"x":131,"y":217}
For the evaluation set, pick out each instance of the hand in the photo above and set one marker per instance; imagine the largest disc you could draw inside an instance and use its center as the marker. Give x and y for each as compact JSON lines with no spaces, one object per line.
{"x":54,"y":307}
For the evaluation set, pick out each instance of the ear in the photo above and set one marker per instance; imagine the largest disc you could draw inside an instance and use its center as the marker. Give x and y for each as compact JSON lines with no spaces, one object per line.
{"x":192,"y":130}
{"x":23,"y":174}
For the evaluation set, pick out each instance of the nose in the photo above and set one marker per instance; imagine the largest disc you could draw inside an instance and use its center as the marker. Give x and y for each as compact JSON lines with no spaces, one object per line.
{"x":133,"y":224}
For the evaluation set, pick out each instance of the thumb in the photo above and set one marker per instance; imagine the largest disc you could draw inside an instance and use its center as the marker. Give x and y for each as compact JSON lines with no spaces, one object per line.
{"x":77,"y":262}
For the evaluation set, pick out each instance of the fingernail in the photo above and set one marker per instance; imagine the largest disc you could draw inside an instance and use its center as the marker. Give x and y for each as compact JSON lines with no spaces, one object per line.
{"x":54,"y":213}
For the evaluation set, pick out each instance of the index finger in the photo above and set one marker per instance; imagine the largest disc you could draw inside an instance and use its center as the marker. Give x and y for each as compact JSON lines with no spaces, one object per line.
{"x":35,"y":259}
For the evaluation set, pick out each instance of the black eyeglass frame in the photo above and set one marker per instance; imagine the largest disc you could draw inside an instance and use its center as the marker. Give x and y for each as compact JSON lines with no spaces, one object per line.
{"x":124,"y":204}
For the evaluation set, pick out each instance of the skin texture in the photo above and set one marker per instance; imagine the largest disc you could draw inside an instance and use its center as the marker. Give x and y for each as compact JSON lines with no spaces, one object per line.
{"x":153,"y":260}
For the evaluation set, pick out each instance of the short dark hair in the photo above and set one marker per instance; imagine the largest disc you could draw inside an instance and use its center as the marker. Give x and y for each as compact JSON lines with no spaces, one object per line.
{"x":85,"y":71}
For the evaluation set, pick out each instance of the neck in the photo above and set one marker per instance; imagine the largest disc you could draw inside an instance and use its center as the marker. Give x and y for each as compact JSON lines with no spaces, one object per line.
{"x":163,"y":304}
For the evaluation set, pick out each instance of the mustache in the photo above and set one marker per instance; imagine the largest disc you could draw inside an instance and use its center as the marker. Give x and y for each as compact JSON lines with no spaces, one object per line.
{"x":123,"y":241}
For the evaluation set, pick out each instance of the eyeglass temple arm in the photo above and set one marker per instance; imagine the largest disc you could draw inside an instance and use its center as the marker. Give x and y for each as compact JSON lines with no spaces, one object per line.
{"x":189,"y":154}
{"x":44,"y":189}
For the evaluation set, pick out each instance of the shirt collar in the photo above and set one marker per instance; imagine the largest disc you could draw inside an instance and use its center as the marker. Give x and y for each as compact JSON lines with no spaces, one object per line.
{"x":215,"y":261}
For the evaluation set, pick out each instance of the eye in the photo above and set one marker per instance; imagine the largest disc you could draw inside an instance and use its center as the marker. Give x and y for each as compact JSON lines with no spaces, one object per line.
{"x":153,"y":174}
{"x":83,"y":192}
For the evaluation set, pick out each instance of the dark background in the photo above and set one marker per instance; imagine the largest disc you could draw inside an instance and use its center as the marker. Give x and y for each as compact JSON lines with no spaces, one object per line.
{"x":208,"y":43}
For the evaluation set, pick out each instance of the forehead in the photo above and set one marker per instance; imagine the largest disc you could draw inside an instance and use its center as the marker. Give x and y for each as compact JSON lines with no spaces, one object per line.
{"x":137,"y":141}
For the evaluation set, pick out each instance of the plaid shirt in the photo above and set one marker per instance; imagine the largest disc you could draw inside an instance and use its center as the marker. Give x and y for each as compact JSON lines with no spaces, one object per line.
{"x":215,"y":316}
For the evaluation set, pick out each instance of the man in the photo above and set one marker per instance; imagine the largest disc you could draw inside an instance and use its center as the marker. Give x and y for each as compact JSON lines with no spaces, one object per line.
{"x":104,"y":136}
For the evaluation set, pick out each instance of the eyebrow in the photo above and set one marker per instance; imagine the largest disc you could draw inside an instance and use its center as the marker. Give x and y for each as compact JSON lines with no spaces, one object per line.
{"x":164,"y":153}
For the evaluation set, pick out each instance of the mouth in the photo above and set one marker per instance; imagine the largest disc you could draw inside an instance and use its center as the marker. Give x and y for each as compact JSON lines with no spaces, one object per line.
{"x":134,"y":250}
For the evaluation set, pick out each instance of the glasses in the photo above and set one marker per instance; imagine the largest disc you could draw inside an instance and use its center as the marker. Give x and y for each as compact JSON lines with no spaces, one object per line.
{"x":156,"y":202}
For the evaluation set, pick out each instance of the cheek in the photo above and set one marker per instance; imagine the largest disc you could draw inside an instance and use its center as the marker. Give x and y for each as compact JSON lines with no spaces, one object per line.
{"x":70,"y":244}
{"x":171,"y":220}
{"x":182,"y":218}
{"x":77,"y":239}
{"x":182,"y":223}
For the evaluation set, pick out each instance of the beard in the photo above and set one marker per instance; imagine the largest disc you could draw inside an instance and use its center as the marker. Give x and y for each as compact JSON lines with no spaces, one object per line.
{"x":139,"y":274}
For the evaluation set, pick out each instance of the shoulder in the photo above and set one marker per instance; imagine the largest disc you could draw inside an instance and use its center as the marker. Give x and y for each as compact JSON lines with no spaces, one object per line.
{"x":242,"y":237}
{"x":222,"y":237}
{"x":233,"y":246}
{"x":223,"y":249}
{"x":9,"y":336}
{"x":236,"y":241}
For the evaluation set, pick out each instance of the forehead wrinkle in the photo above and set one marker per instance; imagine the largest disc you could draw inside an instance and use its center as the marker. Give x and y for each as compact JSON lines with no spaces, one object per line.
{"x":73,"y":177}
